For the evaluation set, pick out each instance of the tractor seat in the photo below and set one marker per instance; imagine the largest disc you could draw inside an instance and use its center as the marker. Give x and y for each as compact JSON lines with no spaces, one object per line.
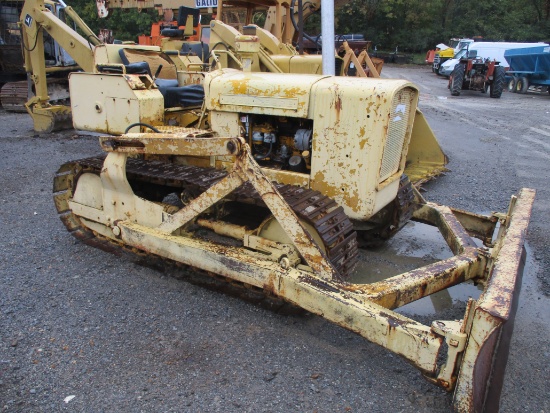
{"x":137,"y":68}
{"x":174,"y":95}
{"x":199,"y":49}
{"x":171,"y":32}
{"x":180,"y":96}
{"x":152,"y":58}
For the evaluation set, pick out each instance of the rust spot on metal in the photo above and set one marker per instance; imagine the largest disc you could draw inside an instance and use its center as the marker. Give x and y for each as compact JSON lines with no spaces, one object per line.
{"x":338,"y":107}
{"x":269,"y":286}
{"x":316,"y":282}
{"x":114,"y":144}
{"x":294,"y":91}
{"x":393,"y":321}
{"x":240,"y":87}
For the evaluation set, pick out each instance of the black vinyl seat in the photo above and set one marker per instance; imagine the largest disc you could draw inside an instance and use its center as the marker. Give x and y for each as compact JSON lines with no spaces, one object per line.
{"x":172,"y":32}
{"x":137,"y":68}
{"x":180,"y":96}
{"x":174,"y":95}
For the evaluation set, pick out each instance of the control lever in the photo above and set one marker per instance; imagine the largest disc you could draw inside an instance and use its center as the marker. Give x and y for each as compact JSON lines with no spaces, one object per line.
{"x":157,"y":73}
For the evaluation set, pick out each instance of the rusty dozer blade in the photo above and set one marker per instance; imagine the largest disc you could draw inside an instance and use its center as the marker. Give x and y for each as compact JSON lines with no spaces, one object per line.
{"x":490,"y":321}
{"x":467,"y":356}
{"x":425,"y":158}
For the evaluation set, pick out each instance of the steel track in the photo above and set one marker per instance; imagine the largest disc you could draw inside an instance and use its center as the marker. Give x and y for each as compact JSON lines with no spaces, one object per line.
{"x":322,"y":213}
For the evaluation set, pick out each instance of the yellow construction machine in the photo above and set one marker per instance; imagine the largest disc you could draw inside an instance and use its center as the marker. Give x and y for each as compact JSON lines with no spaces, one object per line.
{"x":16,"y":90}
{"x":425,"y":158}
{"x":277,"y":37}
{"x":48,"y":19}
{"x":276,"y":182}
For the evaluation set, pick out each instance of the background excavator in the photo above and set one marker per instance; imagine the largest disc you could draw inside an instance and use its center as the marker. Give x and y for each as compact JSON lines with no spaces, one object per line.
{"x":277,"y":182}
{"x":284,"y":20}
{"x":15,"y":88}
{"x":48,"y":56}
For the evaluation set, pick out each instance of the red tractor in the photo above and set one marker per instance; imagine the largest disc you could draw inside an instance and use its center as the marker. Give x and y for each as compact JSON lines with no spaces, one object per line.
{"x":476,"y":73}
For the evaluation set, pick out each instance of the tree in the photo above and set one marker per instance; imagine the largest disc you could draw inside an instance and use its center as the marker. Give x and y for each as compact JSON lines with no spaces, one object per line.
{"x":416,"y":25}
{"x":126,"y":24}
{"x":411,"y":25}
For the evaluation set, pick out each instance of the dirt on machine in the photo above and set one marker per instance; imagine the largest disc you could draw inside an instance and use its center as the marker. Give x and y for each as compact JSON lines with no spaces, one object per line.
{"x":275,"y":183}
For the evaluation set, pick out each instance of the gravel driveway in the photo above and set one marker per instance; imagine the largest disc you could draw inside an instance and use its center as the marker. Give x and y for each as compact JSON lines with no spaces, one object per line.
{"x":86,"y":331}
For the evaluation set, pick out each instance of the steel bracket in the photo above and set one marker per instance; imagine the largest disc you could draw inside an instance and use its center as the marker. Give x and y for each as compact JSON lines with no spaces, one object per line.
{"x":456,"y":342}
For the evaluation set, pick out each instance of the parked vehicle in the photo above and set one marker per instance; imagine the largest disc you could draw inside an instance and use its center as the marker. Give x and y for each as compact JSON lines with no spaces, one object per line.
{"x":477,"y":74}
{"x":486,"y":50}
{"x":444,"y":53}
{"x":55,"y":63}
{"x":279,"y":179}
{"x":528,"y":67}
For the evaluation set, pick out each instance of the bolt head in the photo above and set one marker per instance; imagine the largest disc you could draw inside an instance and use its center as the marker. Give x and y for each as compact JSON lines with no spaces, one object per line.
{"x":284,"y":263}
{"x":231,"y":147}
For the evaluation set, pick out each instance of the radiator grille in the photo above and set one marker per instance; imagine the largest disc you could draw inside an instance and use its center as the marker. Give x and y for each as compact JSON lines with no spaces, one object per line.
{"x":397,"y":132}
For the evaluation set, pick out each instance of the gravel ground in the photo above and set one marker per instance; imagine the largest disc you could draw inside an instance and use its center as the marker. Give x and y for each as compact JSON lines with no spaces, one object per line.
{"x":86,"y":331}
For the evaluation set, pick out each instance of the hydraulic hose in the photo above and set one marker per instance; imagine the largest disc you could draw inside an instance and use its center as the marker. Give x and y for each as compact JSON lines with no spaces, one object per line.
{"x":141,"y":124}
{"x":293,"y":20}
{"x":261,"y":157}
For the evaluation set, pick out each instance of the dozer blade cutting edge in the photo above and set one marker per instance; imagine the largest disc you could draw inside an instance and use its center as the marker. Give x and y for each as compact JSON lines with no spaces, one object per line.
{"x":467,"y":356}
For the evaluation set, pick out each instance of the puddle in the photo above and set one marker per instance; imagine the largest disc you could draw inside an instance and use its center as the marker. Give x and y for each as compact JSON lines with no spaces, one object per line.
{"x":417,"y":245}
{"x":443,"y":300}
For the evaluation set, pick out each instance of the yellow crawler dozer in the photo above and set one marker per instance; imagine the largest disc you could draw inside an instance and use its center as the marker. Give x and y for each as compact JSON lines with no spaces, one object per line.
{"x":278,"y":181}
{"x":289,"y":177}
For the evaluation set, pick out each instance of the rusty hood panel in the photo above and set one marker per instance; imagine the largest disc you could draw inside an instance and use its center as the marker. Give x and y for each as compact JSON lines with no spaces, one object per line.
{"x":261,"y":93}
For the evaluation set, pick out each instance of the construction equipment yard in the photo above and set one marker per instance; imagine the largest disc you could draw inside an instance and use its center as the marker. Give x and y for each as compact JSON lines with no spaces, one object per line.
{"x":85,"y":330}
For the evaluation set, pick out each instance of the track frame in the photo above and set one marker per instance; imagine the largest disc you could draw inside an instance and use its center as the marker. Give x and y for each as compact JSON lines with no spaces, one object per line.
{"x":472,"y":345}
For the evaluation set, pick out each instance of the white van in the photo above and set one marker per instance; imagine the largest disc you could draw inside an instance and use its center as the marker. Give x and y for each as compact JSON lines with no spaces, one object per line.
{"x":486,"y":50}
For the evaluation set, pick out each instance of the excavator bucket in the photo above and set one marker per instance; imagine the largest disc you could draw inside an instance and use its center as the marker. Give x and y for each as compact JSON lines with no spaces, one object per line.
{"x":50,"y":118}
{"x":425,"y":158}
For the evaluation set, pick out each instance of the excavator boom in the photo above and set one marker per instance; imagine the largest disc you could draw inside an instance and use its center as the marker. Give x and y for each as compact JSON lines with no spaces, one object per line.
{"x":36,"y":19}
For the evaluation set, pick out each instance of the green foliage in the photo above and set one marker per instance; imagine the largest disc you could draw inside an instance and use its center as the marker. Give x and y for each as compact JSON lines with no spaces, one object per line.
{"x":417,"y":25}
{"x":410,"y":25}
{"x":126,"y":24}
